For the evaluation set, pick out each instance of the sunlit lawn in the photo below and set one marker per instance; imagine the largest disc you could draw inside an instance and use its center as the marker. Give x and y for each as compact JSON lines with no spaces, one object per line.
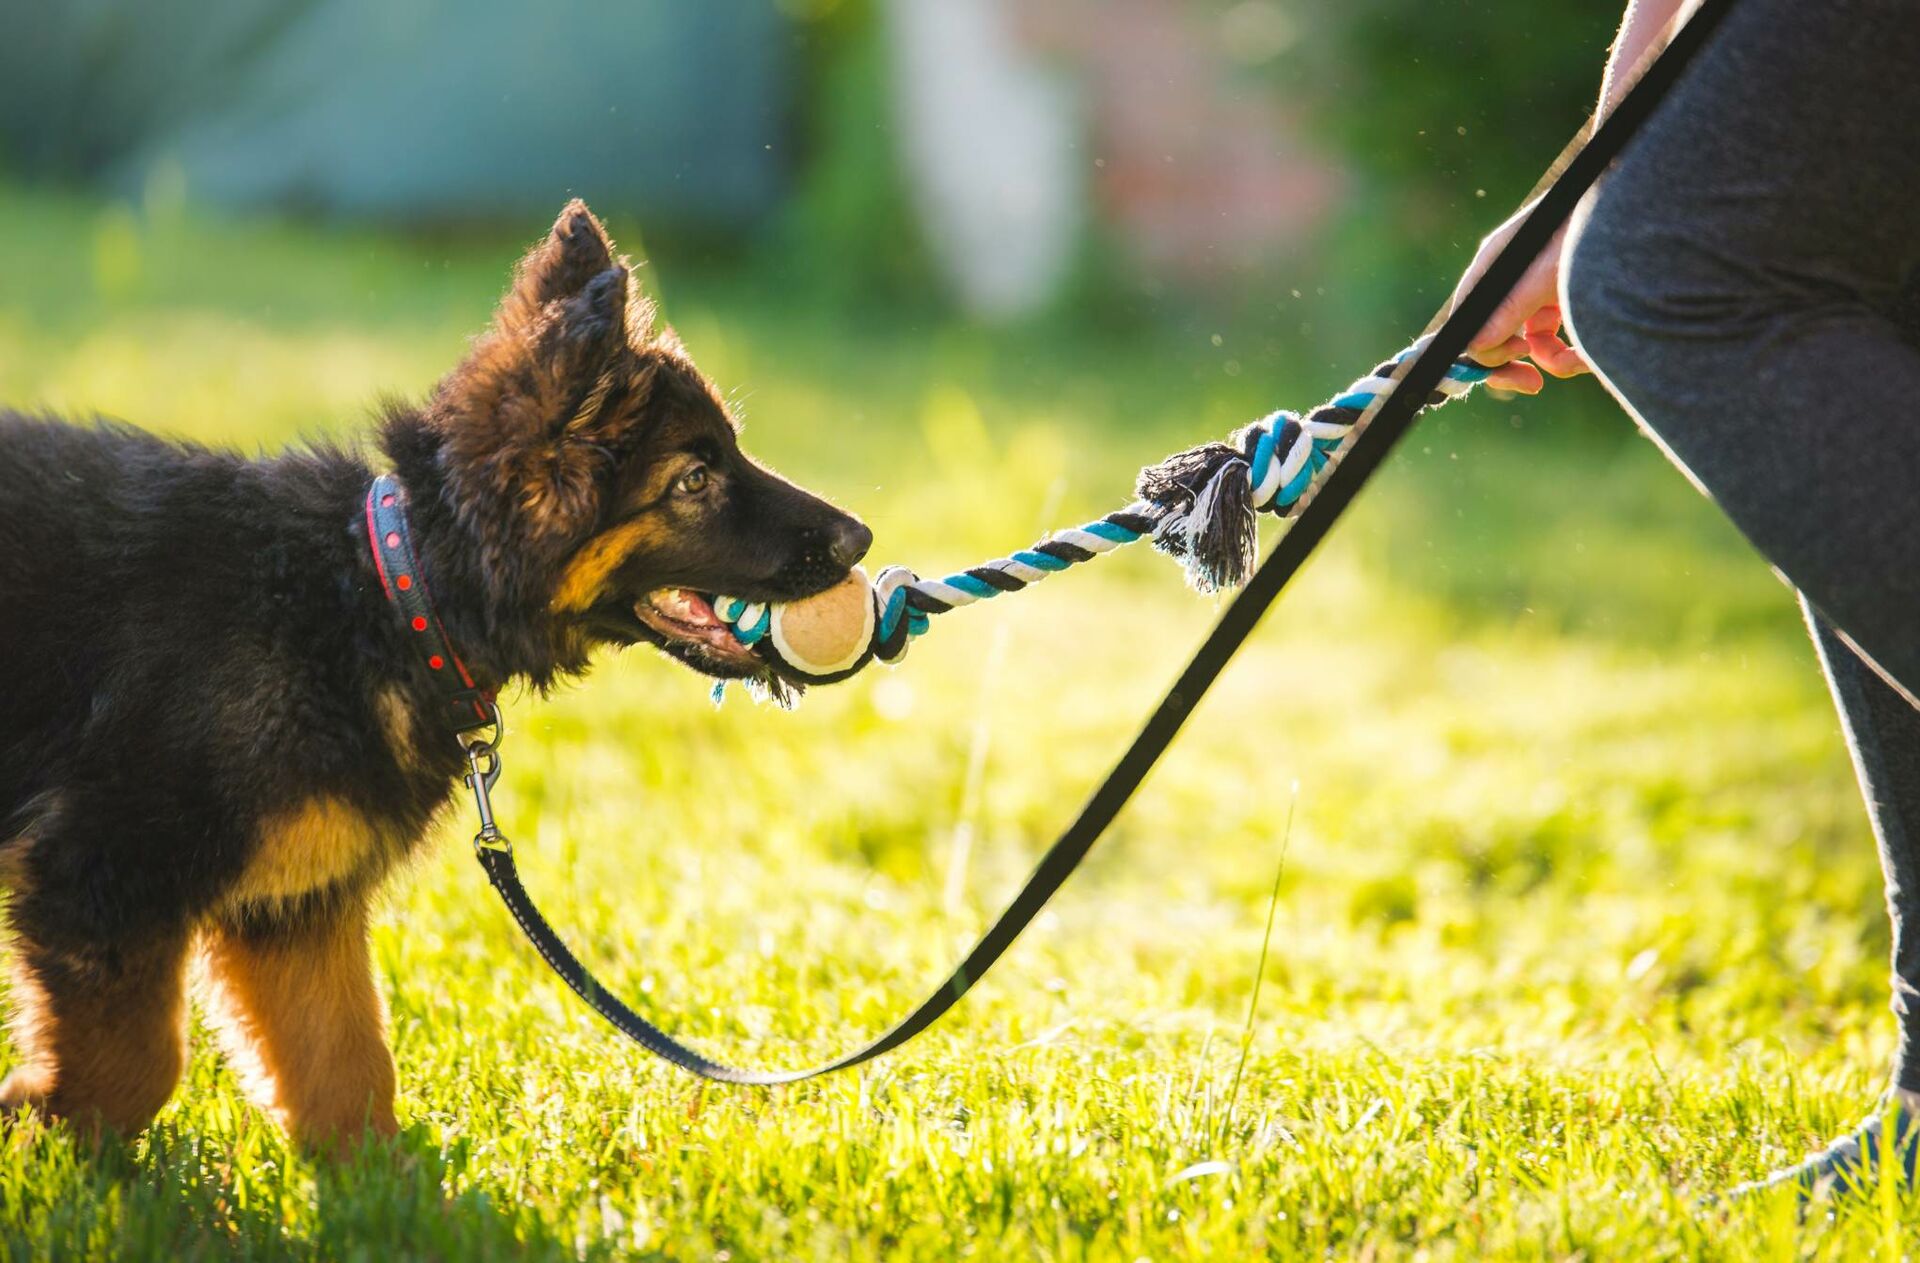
{"x":1579,"y":920}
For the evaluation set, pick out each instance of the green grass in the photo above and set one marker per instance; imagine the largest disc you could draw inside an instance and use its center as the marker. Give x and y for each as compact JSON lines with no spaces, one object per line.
{"x":1579,"y":921}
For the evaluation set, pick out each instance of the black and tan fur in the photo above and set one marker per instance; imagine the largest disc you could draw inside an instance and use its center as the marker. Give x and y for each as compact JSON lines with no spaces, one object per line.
{"x":213,"y":736}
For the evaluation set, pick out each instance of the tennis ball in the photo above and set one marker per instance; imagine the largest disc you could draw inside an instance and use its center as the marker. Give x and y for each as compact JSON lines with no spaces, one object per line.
{"x":829,"y":631}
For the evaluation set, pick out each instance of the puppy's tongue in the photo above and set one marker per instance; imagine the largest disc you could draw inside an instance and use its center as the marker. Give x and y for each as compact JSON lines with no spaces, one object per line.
{"x":683,"y":605}
{"x":684,"y":617}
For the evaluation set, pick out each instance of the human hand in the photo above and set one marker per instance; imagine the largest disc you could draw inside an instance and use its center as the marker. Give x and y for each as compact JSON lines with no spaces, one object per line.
{"x":1526,"y":325}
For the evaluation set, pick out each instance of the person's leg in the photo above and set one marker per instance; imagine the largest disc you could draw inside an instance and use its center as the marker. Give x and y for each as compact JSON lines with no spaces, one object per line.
{"x":1883,"y":734}
{"x":1741,"y":282}
{"x":1737,"y":280}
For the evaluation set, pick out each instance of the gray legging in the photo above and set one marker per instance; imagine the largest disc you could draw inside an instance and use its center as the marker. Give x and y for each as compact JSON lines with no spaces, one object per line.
{"x":1745,"y":282}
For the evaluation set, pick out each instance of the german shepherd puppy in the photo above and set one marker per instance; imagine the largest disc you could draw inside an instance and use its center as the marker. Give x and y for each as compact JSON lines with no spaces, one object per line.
{"x":214,"y":734}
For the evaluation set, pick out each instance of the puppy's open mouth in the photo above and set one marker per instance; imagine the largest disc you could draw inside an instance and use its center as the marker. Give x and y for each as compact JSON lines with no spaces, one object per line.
{"x":685,"y":620}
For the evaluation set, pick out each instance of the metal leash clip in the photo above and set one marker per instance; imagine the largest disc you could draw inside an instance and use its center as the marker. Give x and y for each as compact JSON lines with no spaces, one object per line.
{"x":483,"y":769}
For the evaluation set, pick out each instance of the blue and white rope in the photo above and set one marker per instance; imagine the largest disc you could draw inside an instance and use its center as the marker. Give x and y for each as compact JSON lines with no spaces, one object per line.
{"x":1280,"y":457}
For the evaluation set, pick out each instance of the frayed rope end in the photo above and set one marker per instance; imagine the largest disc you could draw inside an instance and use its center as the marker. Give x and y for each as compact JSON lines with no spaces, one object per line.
{"x":1202,"y":505}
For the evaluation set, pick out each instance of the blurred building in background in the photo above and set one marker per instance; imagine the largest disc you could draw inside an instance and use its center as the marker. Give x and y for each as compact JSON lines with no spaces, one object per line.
{"x":1023,"y":122}
{"x":990,"y":139}
{"x":1199,"y":165}
{"x":407,"y":109}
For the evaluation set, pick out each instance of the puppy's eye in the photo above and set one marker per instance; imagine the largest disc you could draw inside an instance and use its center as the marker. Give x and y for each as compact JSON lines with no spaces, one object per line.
{"x":693,"y":482}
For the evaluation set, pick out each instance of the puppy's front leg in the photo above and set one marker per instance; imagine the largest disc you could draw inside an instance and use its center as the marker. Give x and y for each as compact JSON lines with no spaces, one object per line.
{"x":102,"y":1028}
{"x":302,"y":1022}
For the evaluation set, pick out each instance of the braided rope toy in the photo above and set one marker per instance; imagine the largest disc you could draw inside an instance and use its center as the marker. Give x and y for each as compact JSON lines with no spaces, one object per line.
{"x":1198,"y":506}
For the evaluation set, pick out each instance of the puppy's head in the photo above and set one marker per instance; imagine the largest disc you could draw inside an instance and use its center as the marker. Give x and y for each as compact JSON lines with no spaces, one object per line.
{"x":600,"y":474}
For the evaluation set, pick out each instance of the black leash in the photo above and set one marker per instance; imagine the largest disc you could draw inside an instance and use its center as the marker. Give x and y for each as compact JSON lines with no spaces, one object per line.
{"x":1373,"y":440}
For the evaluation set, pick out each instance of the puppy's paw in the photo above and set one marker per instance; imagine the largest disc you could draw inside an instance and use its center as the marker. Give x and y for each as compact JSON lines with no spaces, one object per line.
{"x":26,"y":1090}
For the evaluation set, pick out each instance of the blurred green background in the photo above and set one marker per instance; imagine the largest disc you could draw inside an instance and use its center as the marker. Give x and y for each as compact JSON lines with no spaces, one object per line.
{"x":1151,"y":162}
{"x":1579,"y":917}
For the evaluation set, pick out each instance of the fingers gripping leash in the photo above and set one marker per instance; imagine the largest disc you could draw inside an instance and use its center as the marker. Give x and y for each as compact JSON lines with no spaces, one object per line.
{"x":1197,"y":506}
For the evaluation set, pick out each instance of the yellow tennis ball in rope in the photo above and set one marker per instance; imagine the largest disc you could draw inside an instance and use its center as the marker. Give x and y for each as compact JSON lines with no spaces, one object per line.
{"x":828,"y":632}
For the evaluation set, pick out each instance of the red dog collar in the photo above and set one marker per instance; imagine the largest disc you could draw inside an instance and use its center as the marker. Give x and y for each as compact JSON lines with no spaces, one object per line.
{"x":465,"y":705}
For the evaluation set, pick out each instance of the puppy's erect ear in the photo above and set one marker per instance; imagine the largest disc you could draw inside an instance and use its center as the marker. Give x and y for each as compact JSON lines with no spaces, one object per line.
{"x":577,"y":250}
{"x":525,"y":420}
{"x":580,"y":344}
{"x":578,"y":331}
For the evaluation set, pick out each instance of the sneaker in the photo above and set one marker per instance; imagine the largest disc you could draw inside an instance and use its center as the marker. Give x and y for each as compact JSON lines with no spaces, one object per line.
{"x":1850,"y":1165}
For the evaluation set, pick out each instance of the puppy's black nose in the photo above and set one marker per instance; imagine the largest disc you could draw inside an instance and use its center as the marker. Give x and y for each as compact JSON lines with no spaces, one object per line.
{"x":848,"y":541}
